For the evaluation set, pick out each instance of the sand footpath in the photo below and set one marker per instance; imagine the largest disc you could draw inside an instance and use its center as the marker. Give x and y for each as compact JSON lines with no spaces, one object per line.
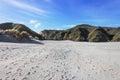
{"x":60,"y":60}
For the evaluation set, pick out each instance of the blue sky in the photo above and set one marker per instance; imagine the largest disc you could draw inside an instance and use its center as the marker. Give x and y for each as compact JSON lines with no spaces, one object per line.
{"x":60,"y":14}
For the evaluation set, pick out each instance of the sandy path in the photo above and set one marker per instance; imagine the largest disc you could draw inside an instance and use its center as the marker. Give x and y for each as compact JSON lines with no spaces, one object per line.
{"x":60,"y":60}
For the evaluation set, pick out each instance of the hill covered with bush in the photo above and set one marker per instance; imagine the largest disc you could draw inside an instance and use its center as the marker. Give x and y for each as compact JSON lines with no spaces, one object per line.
{"x":84,"y":32}
{"x":18,"y":31}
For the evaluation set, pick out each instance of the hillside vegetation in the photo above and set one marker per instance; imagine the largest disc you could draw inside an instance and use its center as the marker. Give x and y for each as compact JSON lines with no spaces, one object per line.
{"x":18,"y":31}
{"x":84,"y":32}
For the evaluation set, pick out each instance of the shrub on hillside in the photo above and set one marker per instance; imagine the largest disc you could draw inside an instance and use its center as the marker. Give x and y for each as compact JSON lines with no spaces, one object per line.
{"x":16,"y":34}
{"x":25,"y":35}
{"x":98,"y":35}
{"x":116,"y":37}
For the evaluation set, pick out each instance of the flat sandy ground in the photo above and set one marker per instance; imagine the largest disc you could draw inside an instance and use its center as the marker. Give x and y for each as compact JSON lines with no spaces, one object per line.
{"x":60,"y":60}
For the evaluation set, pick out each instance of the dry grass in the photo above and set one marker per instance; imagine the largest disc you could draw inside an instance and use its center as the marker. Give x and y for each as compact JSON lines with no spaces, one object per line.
{"x":16,"y":34}
{"x":116,"y":37}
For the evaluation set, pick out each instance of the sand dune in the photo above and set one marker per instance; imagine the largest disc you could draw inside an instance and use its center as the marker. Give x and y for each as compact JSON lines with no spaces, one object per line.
{"x":7,"y":38}
{"x":60,"y":60}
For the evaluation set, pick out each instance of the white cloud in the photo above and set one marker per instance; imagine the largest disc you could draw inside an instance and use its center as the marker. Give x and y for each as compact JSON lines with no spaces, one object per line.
{"x":26,"y":7}
{"x":33,"y":21}
{"x":68,"y":26}
{"x":37,"y":25}
{"x":62,"y":27}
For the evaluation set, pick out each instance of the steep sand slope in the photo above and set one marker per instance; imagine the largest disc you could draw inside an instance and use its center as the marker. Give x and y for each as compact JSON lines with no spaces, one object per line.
{"x":60,"y":60}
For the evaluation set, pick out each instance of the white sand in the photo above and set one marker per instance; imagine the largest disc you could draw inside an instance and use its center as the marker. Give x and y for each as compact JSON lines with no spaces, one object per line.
{"x":60,"y":60}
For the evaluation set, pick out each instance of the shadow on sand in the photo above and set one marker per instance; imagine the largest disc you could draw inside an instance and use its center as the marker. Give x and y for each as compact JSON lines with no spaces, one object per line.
{"x":31,"y":42}
{"x":6,"y":38}
{"x":24,"y":41}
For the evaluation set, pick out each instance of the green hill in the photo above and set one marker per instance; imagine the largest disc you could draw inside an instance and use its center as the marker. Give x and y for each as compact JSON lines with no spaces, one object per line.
{"x":83,"y":32}
{"x":20,"y":28}
{"x":98,"y":35}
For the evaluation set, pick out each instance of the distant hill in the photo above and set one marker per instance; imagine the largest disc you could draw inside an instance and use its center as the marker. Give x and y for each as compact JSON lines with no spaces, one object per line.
{"x":84,"y":32}
{"x":20,"y":28}
{"x":98,"y":35}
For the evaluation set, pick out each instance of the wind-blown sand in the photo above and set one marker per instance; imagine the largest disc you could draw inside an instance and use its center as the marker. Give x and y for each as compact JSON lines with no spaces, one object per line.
{"x":60,"y":60}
